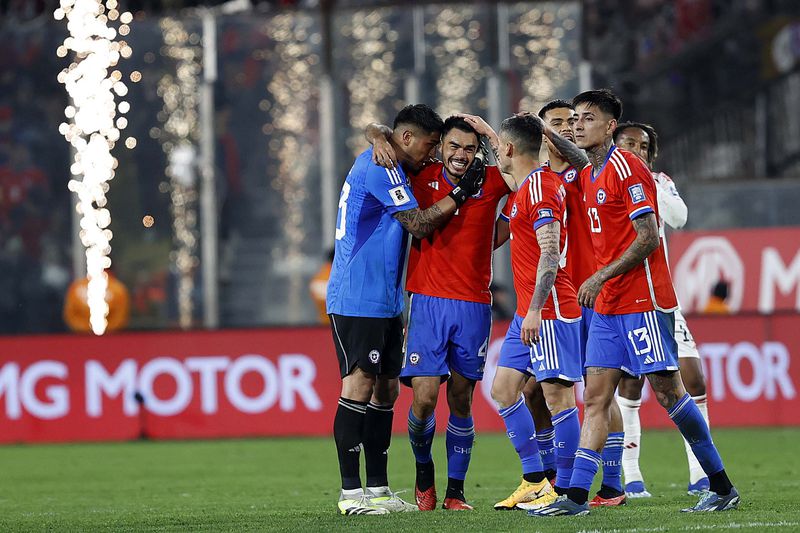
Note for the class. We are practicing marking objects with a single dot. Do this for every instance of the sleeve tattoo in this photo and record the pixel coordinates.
(576, 157)
(548, 237)
(421, 223)
(647, 240)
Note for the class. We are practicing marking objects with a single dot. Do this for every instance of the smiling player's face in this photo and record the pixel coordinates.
(458, 151)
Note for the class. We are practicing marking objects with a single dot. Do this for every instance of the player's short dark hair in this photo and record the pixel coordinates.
(525, 132)
(652, 147)
(603, 99)
(457, 123)
(555, 104)
(420, 116)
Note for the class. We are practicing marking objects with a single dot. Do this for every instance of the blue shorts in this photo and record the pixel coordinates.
(637, 343)
(557, 356)
(446, 335)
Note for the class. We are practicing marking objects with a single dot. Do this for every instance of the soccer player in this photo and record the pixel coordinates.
(632, 295)
(641, 139)
(544, 337)
(365, 300)
(560, 117)
(449, 317)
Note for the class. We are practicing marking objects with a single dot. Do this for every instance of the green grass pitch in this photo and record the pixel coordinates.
(292, 485)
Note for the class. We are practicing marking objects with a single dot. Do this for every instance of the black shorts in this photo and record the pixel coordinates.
(374, 344)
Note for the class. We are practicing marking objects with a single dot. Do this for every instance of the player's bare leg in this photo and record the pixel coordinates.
(630, 399)
(545, 434)
(358, 385)
(460, 438)
(426, 395)
(507, 385)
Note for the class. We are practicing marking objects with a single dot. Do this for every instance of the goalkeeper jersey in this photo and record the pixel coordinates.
(369, 251)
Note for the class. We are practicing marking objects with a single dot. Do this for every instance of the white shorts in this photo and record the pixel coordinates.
(686, 344)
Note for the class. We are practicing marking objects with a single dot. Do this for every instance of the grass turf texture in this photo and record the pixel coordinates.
(292, 484)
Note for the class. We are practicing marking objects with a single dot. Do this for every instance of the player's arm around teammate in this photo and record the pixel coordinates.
(420, 223)
(450, 312)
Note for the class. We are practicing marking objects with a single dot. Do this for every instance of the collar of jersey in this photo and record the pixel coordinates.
(608, 155)
(444, 175)
(559, 174)
(529, 176)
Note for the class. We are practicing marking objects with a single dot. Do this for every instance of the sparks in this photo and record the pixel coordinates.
(92, 132)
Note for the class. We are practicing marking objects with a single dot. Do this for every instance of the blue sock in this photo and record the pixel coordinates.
(522, 433)
(420, 433)
(547, 450)
(587, 463)
(612, 460)
(694, 429)
(460, 436)
(568, 434)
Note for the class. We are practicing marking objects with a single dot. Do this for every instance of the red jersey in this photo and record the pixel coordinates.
(578, 249)
(455, 261)
(623, 190)
(540, 200)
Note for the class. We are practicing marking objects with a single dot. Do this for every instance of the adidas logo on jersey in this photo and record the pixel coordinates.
(434, 185)
(648, 360)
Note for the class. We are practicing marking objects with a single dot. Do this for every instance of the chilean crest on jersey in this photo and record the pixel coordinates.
(570, 176)
(601, 196)
(513, 210)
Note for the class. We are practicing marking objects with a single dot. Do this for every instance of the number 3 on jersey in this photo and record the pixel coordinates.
(594, 220)
(341, 226)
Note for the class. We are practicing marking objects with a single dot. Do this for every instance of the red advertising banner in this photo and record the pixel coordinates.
(761, 266)
(286, 382)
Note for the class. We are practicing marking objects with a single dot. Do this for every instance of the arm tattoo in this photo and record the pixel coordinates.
(548, 236)
(576, 156)
(421, 223)
(496, 152)
(646, 242)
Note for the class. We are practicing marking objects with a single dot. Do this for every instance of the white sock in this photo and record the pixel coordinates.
(695, 470)
(633, 437)
(351, 494)
(378, 492)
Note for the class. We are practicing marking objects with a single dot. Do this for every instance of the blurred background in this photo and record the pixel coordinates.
(296, 82)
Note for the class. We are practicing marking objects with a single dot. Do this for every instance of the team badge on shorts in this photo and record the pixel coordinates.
(413, 358)
(601, 196)
(374, 356)
(570, 176)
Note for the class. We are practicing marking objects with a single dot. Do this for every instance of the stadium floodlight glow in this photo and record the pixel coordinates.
(92, 132)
